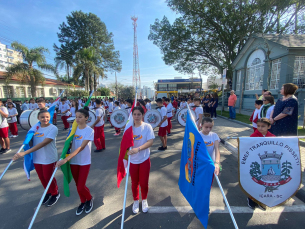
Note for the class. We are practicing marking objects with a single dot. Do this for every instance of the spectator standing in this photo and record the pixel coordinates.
(231, 103)
(285, 113)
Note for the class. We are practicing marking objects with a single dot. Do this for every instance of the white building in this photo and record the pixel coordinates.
(16, 89)
(147, 92)
(8, 57)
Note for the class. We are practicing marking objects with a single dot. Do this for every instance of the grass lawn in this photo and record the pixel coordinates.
(239, 117)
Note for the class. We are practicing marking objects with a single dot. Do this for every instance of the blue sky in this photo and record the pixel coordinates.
(36, 22)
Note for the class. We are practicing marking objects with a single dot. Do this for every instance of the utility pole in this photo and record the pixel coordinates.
(224, 82)
(136, 80)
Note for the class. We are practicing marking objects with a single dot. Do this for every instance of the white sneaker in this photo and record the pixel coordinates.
(11, 136)
(135, 207)
(15, 136)
(144, 206)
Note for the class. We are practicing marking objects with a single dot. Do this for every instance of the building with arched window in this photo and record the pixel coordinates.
(267, 62)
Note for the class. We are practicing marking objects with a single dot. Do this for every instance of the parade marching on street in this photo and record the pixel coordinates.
(185, 115)
(168, 208)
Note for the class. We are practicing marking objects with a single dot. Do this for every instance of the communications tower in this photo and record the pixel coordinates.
(136, 80)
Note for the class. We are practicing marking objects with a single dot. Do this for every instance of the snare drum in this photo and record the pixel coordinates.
(28, 118)
(119, 118)
(71, 119)
(153, 117)
(92, 118)
(181, 116)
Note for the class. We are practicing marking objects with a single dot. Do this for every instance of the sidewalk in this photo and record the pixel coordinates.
(226, 128)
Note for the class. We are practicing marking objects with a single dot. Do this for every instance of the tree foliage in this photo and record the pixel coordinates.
(124, 91)
(81, 32)
(212, 32)
(104, 91)
(26, 71)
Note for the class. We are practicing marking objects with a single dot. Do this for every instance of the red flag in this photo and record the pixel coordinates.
(126, 143)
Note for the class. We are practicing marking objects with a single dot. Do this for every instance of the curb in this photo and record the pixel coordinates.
(300, 193)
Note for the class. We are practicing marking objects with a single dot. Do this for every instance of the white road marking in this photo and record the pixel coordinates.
(220, 209)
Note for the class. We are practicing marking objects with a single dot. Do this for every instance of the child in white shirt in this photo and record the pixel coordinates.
(211, 141)
(117, 107)
(256, 113)
(33, 105)
(12, 120)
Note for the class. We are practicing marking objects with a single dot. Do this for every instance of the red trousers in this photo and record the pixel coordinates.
(169, 125)
(80, 174)
(117, 130)
(139, 174)
(99, 137)
(44, 173)
(108, 118)
(13, 128)
(64, 120)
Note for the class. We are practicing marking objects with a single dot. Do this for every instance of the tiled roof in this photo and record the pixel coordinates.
(287, 40)
(48, 81)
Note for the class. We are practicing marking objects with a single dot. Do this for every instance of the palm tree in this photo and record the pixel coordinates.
(64, 60)
(87, 63)
(26, 71)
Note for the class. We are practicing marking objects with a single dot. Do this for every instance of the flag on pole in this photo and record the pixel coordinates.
(28, 164)
(126, 143)
(196, 171)
(66, 170)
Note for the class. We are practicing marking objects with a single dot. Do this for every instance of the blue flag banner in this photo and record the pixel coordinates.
(28, 158)
(28, 164)
(196, 171)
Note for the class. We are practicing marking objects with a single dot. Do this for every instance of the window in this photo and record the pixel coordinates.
(275, 74)
(29, 94)
(238, 80)
(254, 76)
(40, 92)
(172, 87)
(162, 87)
(20, 92)
(299, 71)
(8, 91)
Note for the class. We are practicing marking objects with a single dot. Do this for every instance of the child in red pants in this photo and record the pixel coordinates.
(140, 159)
(44, 156)
(80, 159)
(117, 107)
(64, 110)
(12, 121)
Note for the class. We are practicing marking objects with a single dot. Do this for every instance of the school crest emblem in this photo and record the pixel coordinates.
(269, 168)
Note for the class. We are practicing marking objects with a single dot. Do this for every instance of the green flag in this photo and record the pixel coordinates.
(66, 167)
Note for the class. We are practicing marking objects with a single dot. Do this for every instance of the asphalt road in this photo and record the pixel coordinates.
(169, 209)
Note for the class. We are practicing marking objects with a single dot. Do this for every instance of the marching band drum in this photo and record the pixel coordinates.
(119, 118)
(181, 116)
(153, 117)
(28, 118)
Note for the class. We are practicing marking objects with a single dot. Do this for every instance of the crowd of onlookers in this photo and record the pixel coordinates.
(282, 115)
(209, 103)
